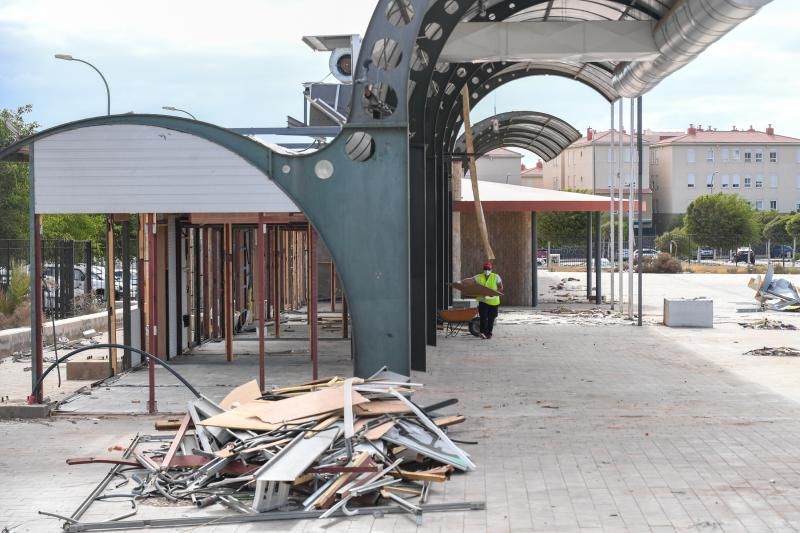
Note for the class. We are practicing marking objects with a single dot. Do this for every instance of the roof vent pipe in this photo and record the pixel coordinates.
(680, 36)
(692, 130)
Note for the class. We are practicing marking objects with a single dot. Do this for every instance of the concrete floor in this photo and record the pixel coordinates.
(582, 425)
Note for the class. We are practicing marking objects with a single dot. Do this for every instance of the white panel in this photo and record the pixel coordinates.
(145, 169)
(585, 41)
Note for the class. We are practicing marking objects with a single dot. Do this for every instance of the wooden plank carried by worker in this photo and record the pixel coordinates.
(471, 290)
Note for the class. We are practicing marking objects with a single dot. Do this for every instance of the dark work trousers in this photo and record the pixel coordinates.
(488, 313)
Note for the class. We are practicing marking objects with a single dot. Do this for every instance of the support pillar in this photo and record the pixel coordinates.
(127, 339)
(196, 284)
(152, 229)
(333, 287)
(534, 260)
(276, 281)
(111, 296)
(206, 282)
(598, 261)
(345, 318)
(262, 323)
(588, 256)
(228, 290)
(313, 298)
(35, 254)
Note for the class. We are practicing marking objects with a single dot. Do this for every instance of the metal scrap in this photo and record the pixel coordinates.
(333, 462)
(775, 294)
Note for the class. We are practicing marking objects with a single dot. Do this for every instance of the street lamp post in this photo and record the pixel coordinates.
(67, 57)
(173, 108)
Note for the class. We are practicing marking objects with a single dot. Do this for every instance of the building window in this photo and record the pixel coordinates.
(748, 156)
(710, 181)
(747, 181)
(710, 155)
(690, 180)
(725, 182)
(759, 156)
(724, 154)
(759, 205)
(773, 155)
(773, 182)
(735, 184)
(690, 155)
(759, 182)
(773, 205)
(735, 154)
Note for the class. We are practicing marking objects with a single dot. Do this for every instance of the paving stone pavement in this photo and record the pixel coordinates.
(579, 428)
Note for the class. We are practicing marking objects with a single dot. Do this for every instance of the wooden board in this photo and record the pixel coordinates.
(377, 408)
(243, 393)
(265, 415)
(473, 289)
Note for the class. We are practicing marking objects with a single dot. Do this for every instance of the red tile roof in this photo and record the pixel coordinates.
(604, 137)
(730, 137)
(502, 152)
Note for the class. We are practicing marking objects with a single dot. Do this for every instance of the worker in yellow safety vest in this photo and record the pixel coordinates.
(488, 305)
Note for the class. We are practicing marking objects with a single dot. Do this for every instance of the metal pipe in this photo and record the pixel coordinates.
(630, 223)
(150, 357)
(534, 261)
(639, 217)
(611, 217)
(680, 36)
(618, 167)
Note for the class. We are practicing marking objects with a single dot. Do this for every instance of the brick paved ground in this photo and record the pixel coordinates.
(580, 428)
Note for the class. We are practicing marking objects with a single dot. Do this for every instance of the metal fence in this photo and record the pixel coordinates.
(575, 255)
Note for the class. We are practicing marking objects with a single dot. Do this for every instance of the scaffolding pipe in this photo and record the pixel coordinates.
(611, 210)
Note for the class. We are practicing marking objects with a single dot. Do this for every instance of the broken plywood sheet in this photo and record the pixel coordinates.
(243, 393)
(266, 415)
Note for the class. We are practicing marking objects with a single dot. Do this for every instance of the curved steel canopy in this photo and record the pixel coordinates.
(543, 134)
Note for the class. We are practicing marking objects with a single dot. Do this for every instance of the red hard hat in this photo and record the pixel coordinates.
(487, 265)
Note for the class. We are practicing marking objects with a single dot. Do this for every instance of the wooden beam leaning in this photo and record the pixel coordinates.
(473, 174)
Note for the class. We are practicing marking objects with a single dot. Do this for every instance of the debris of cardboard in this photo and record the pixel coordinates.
(781, 351)
(774, 293)
(318, 449)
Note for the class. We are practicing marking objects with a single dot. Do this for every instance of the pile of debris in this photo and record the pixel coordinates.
(766, 323)
(331, 447)
(776, 294)
(781, 351)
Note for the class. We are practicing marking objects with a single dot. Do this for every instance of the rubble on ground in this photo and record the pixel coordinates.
(775, 294)
(766, 323)
(330, 447)
(782, 351)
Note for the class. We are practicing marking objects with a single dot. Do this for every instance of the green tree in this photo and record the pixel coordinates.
(775, 230)
(793, 226)
(14, 176)
(721, 221)
(77, 227)
(561, 228)
(677, 242)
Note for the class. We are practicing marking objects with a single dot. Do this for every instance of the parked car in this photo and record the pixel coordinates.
(781, 251)
(646, 252)
(743, 253)
(706, 253)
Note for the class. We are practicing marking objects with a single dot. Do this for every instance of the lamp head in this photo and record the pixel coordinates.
(65, 57)
(169, 108)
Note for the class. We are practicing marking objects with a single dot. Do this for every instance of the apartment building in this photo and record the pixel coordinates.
(500, 165)
(589, 163)
(533, 177)
(760, 166)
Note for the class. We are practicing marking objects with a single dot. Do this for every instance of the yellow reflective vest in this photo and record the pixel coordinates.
(491, 283)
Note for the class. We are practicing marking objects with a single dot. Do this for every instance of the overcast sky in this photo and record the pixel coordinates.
(242, 63)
